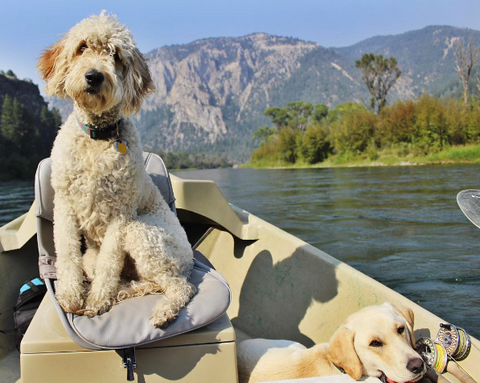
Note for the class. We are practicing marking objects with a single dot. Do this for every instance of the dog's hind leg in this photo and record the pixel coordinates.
(164, 260)
(108, 268)
(178, 292)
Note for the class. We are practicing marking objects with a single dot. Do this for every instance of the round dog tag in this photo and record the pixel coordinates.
(121, 147)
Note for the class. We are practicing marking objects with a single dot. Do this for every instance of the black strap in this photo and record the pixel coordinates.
(33, 286)
(110, 131)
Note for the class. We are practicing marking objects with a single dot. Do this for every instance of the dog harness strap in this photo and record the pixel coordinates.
(111, 131)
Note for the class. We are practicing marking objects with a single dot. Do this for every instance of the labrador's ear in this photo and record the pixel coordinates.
(409, 317)
(341, 352)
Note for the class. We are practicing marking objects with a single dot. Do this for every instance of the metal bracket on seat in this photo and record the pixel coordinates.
(129, 362)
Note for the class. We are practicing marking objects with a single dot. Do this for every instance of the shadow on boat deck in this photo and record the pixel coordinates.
(275, 298)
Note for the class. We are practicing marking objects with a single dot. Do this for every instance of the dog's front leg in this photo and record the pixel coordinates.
(108, 268)
(70, 290)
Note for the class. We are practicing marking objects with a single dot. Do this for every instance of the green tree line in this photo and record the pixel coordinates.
(24, 138)
(305, 133)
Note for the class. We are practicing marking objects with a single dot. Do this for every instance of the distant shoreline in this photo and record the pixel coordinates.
(454, 155)
(375, 164)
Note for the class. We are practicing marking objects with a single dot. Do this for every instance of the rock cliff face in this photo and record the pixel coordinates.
(211, 93)
(25, 92)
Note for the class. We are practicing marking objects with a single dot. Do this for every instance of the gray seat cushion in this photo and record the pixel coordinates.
(127, 323)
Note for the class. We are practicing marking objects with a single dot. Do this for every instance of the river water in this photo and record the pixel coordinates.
(399, 225)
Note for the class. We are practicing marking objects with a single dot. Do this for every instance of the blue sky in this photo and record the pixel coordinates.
(27, 27)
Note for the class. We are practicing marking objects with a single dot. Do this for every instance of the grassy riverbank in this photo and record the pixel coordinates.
(467, 154)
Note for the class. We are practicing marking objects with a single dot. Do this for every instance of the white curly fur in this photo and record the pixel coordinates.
(101, 194)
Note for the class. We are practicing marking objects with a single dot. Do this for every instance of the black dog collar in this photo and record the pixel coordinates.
(110, 131)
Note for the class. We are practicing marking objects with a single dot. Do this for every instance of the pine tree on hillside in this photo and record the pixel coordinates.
(13, 165)
(50, 122)
(25, 137)
(16, 127)
(7, 122)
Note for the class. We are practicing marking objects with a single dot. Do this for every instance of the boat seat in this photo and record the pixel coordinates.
(201, 326)
(48, 354)
(107, 331)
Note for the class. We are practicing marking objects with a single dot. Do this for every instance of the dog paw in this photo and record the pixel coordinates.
(70, 303)
(96, 307)
(162, 318)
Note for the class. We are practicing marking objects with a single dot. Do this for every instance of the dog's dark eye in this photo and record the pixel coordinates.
(116, 57)
(400, 330)
(81, 48)
(376, 343)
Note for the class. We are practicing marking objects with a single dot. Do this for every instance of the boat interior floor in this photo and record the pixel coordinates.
(10, 367)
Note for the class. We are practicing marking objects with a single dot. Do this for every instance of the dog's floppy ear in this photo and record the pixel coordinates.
(49, 65)
(139, 83)
(342, 352)
(409, 317)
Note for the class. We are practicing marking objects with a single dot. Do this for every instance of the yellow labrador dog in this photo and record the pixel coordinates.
(376, 341)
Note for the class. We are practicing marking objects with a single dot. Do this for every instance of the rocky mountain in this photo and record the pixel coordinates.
(27, 127)
(211, 93)
(426, 57)
(214, 91)
(25, 92)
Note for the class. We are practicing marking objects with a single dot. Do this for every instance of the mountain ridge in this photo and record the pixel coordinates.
(211, 93)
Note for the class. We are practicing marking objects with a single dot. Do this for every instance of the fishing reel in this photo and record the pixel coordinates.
(452, 343)
(433, 353)
(455, 340)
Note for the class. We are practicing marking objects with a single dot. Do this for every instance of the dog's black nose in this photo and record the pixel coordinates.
(415, 365)
(94, 77)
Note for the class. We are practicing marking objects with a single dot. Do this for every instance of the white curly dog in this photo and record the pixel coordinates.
(102, 191)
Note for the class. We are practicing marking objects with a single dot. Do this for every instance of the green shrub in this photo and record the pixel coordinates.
(287, 144)
(353, 131)
(315, 146)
